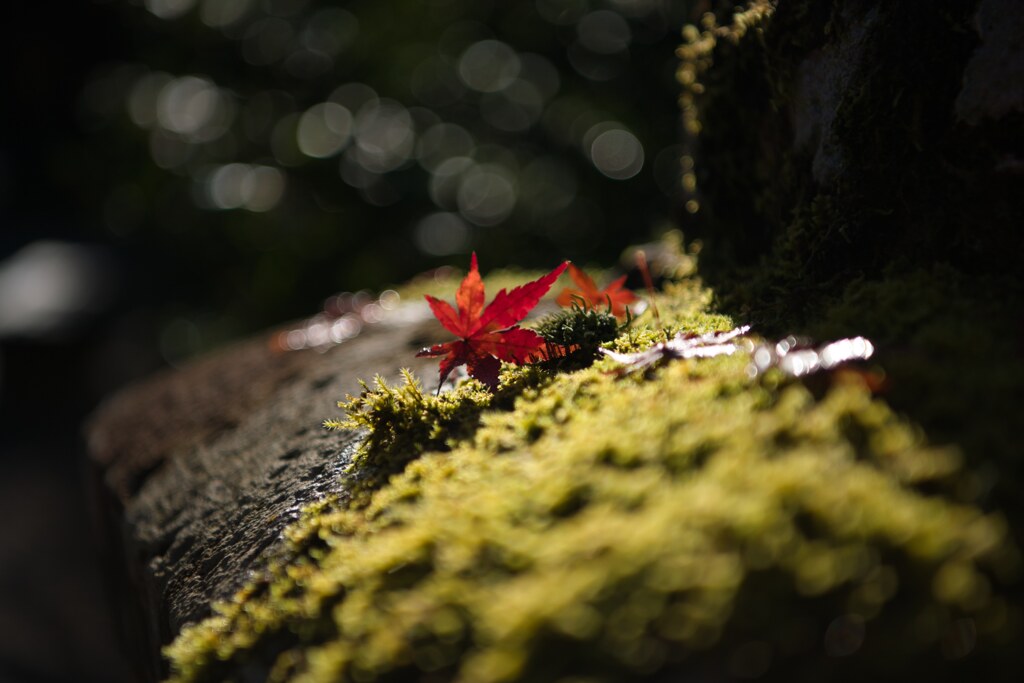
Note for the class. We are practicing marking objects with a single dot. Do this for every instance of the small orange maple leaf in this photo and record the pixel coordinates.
(613, 296)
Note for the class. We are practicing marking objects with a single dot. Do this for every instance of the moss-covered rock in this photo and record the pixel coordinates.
(688, 521)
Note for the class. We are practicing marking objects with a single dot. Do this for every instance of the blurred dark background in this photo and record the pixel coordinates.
(178, 173)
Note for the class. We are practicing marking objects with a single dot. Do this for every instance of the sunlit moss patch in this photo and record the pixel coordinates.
(579, 524)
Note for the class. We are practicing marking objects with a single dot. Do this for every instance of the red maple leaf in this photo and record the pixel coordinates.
(613, 295)
(488, 335)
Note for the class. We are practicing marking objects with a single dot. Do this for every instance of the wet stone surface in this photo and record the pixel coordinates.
(198, 470)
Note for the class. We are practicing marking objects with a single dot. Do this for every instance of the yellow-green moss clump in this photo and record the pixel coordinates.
(691, 521)
(401, 423)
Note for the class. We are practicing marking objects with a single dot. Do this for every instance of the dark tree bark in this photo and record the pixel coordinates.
(831, 141)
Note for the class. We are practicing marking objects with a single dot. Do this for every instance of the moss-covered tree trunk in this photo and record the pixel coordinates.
(830, 141)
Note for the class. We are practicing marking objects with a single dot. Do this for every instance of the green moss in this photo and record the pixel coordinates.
(585, 525)
(950, 344)
(907, 232)
(724, 94)
(574, 334)
(821, 147)
(402, 422)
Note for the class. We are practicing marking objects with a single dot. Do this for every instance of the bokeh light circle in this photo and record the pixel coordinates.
(441, 234)
(169, 9)
(487, 194)
(489, 66)
(617, 153)
(324, 130)
(385, 136)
